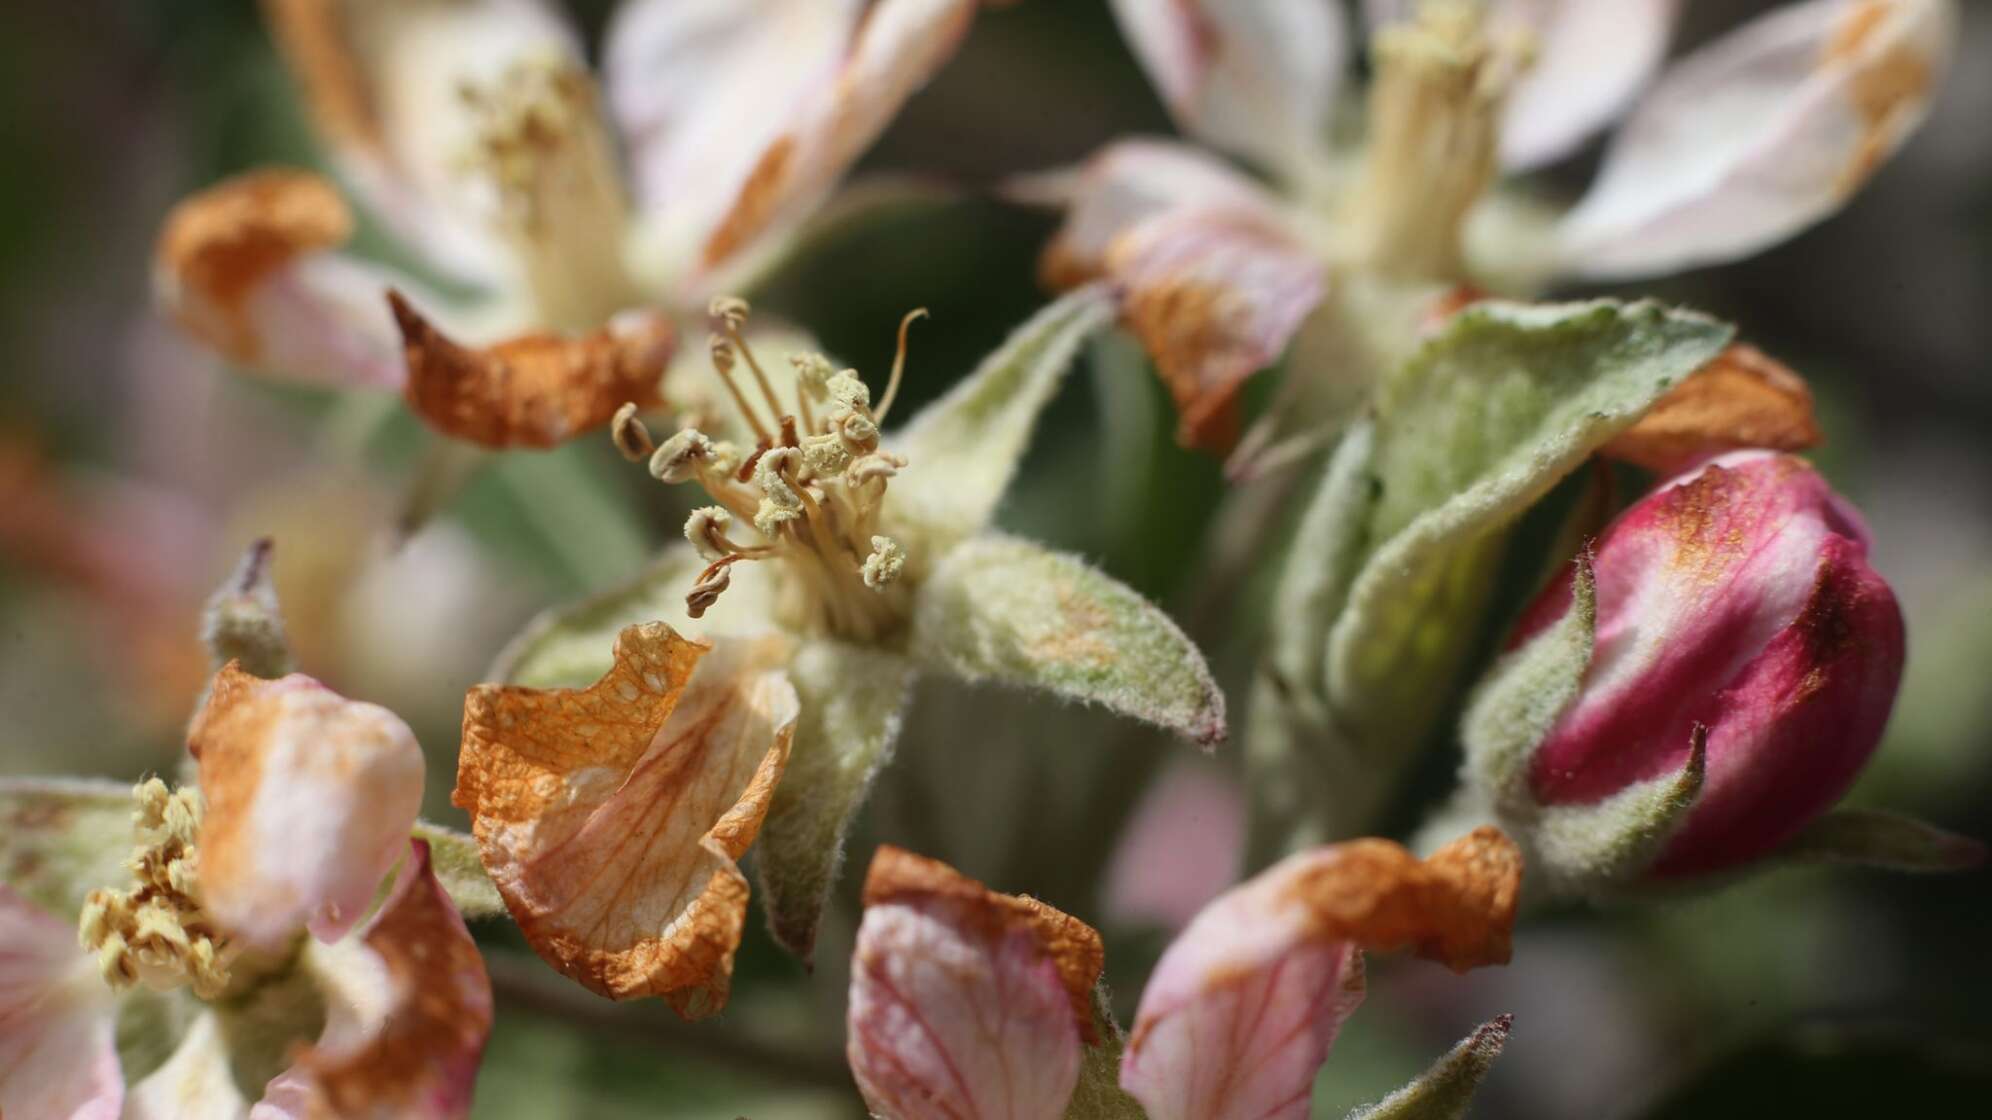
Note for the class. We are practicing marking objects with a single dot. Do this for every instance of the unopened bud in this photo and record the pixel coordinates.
(1733, 607)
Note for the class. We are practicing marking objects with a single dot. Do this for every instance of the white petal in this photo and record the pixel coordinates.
(1254, 77)
(194, 1084)
(1760, 134)
(58, 1056)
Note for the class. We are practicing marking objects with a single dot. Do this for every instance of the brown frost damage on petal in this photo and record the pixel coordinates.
(419, 1055)
(1457, 907)
(1744, 398)
(536, 390)
(1074, 948)
(1890, 84)
(611, 817)
(220, 244)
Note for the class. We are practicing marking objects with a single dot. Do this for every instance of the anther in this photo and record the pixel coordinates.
(884, 564)
(706, 529)
(631, 438)
(681, 457)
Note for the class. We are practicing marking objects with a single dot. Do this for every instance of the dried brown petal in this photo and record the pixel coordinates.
(1744, 398)
(219, 245)
(536, 390)
(610, 817)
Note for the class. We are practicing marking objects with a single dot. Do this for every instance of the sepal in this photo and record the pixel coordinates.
(1445, 1091)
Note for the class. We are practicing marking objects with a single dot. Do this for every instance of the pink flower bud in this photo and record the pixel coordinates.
(1736, 596)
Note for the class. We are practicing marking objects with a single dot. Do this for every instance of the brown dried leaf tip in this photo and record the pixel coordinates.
(610, 817)
(1744, 398)
(219, 245)
(1074, 948)
(536, 390)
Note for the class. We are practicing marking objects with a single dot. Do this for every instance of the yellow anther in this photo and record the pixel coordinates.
(157, 934)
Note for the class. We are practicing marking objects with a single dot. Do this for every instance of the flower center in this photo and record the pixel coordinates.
(1434, 136)
(540, 147)
(157, 934)
(809, 493)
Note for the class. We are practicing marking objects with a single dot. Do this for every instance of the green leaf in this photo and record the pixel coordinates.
(853, 700)
(570, 646)
(1009, 610)
(963, 448)
(1526, 692)
(1876, 838)
(61, 838)
(1484, 420)
(454, 858)
(1322, 561)
(1445, 1091)
(1098, 1095)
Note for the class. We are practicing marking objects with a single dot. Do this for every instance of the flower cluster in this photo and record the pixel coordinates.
(1691, 682)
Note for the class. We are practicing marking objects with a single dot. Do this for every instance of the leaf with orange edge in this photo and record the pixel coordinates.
(535, 390)
(610, 817)
(1744, 398)
(1242, 1008)
(965, 1001)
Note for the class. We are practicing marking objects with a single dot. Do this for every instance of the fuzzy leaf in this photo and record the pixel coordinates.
(1009, 610)
(1527, 691)
(1445, 1091)
(1321, 562)
(853, 700)
(454, 860)
(963, 448)
(1098, 1095)
(571, 646)
(1595, 850)
(1484, 420)
(61, 838)
(1875, 838)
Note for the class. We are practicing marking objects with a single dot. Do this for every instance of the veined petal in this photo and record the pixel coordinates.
(966, 1002)
(310, 798)
(1121, 186)
(1214, 296)
(247, 267)
(409, 1009)
(535, 390)
(384, 84)
(1744, 398)
(1760, 135)
(702, 88)
(194, 1082)
(610, 817)
(1588, 62)
(896, 46)
(1243, 1006)
(58, 1051)
(1254, 77)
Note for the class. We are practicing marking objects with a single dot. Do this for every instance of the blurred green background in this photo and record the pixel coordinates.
(1816, 994)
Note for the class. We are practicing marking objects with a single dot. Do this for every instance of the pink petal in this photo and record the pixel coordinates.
(58, 1051)
(1242, 1008)
(895, 47)
(1255, 77)
(405, 1035)
(965, 1002)
(1181, 850)
(310, 799)
(1760, 134)
(1214, 296)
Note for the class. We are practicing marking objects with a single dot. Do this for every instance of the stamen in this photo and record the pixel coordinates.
(157, 934)
(731, 311)
(722, 363)
(898, 364)
(631, 438)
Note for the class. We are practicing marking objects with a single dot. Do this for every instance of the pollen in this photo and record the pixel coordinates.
(157, 933)
(808, 496)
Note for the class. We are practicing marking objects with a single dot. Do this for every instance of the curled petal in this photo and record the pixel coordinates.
(310, 798)
(1760, 134)
(384, 85)
(1243, 1006)
(535, 390)
(610, 817)
(1123, 185)
(409, 1011)
(58, 1050)
(895, 47)
(965, 1002)
(1744, 398)
(1214, 296)
(1257, 77)
(247, 267)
